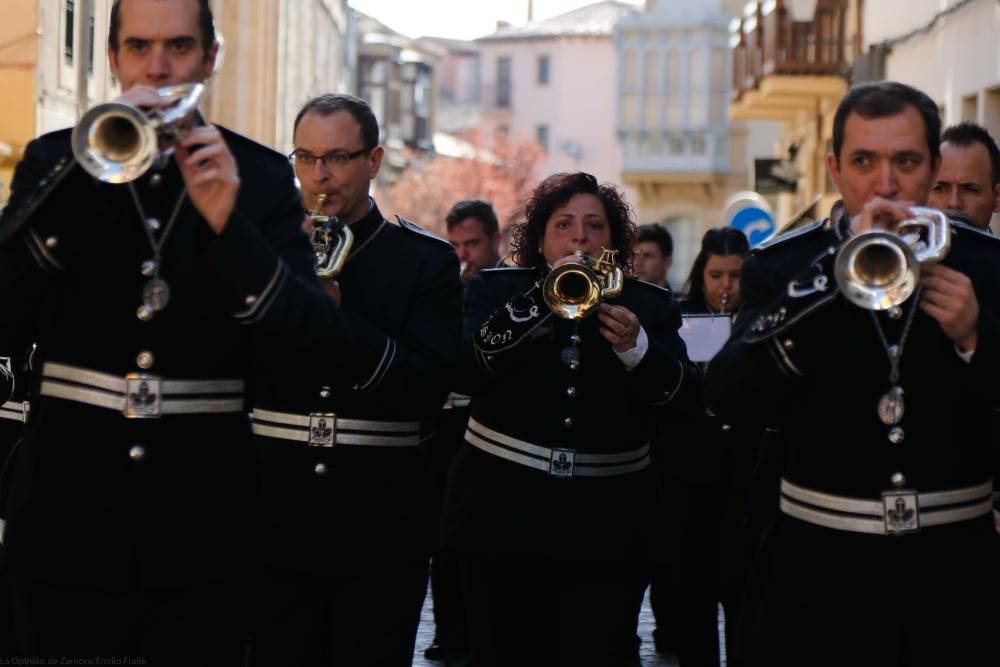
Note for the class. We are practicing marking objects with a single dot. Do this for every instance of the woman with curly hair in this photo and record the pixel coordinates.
(552, 495)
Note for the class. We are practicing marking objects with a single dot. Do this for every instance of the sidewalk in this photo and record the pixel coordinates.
(650, 658)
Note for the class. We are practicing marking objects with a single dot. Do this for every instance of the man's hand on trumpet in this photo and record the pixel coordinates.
(210, 174)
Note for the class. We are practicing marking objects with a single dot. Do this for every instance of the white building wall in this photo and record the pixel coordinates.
(577, 105)
(56, 96)
(956, 62)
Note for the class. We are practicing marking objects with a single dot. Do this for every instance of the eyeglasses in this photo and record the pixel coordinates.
(331, 159)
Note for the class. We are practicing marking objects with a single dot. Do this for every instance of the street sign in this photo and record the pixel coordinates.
(771, 176)
(751, 214)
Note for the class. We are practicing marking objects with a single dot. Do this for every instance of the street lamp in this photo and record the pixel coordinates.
(801, 10)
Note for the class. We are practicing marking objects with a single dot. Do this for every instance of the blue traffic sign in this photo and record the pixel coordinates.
(750, 213)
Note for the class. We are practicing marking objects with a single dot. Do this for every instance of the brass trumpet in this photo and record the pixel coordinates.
(573, 291)
(878, 270)
(117, 143)
(331, 241)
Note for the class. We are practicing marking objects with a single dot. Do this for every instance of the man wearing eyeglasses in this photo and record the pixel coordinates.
(347, 487)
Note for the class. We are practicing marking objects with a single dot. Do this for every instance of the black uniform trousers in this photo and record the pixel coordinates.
(306, 629)
(450, 613)
(187, 627)
(542, 612)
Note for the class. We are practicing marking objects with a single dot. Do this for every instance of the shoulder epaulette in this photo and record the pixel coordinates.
(963, 227)
(650, 286)
(236, 137)
(504, 270)
(420, 231)
(791, 234)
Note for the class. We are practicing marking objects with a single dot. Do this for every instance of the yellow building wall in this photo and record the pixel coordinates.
(18, 58)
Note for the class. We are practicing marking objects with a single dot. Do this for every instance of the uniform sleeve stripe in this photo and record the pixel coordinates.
(266, 299)
(387, 353)
(784, 357)
(41, 252)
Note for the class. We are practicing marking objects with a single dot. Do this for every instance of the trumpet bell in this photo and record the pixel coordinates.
(877, 270)
(115, 143)
(572, 291)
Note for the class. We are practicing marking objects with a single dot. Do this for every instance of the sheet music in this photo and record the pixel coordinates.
(705, 335)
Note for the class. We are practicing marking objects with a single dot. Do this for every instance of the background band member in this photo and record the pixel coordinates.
(708, 478)
(130, 536)
(474, 232)
(347, 486)
(654, 254)
(884, 551)
(551, 496)
(969, 180)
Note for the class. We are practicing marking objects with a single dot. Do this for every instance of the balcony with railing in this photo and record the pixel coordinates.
(781, 65)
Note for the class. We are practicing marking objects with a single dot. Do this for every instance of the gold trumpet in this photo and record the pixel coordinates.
(331, 241)
(573, 291)
(880, 269)
(117, 143)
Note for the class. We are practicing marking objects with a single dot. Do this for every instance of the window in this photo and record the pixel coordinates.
(503, 82)
(543, 70)
(68, 36)
(542, 134)
(698, 144)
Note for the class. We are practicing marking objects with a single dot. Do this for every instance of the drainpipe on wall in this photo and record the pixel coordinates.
(83, 55)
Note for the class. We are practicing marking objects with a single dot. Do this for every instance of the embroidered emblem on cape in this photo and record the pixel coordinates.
(510, 324)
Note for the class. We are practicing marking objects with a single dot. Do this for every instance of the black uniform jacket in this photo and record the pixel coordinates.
(808, 361)
(394, 360)
(71, 248)
(521, 387)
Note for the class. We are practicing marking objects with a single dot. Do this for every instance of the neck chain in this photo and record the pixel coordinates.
(156, 292)
(891, 406)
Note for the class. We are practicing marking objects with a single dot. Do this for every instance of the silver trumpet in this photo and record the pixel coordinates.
(878, 270)
(117, 143)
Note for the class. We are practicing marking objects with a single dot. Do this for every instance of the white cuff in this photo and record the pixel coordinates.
(966, 356)
(632, 357)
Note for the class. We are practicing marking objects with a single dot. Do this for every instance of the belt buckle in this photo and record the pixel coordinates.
(901, 511)
(561, 463)
(25, 410)
(322, 429)
(143, 396)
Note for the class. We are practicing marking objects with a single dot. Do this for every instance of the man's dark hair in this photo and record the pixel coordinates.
(331, 103)
(658, 234)
(968, 133)
(205, 22)
(888, 98)
(553, 193)
(474, 208)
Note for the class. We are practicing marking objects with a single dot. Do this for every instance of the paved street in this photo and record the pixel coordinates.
(649, 656)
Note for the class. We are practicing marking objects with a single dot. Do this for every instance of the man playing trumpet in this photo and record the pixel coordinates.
(884, 551)
(130, 523)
